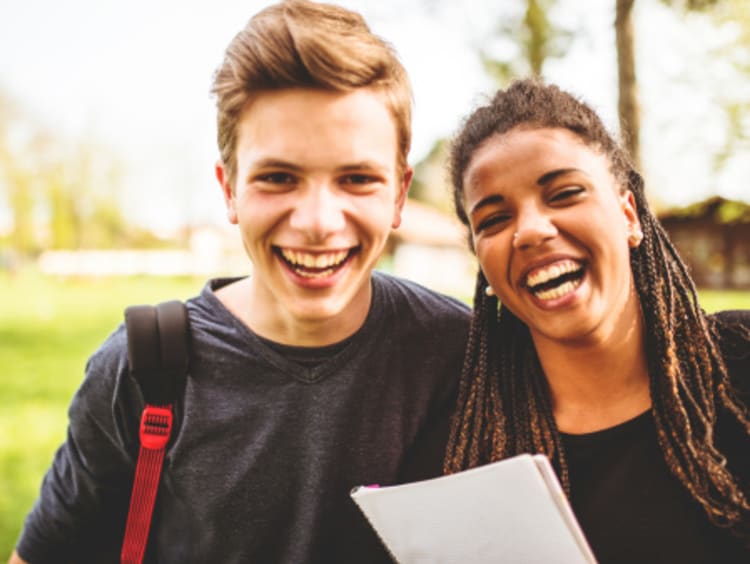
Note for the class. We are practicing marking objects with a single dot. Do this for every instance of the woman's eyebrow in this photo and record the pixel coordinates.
(548, 177)
(488, 201)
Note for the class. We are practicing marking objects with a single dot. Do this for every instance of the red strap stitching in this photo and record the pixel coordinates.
(156, 424)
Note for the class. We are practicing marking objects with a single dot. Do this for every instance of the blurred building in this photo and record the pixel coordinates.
(713, 238)
(429, 247)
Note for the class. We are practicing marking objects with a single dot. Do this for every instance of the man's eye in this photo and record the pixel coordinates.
(358, 179)
(566, 194)
(276, 178)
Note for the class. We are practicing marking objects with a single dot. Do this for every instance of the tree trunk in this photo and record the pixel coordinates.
(629, 111)
(538, 26)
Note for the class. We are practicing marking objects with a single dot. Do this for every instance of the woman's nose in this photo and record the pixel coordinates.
(533, 228)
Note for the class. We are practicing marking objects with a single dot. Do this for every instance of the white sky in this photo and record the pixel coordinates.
(134, 76)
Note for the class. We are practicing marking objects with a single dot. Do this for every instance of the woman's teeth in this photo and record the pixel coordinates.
(555, 280)
(557, 291)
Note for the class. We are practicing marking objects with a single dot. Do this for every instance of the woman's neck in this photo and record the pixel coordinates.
(599, 383)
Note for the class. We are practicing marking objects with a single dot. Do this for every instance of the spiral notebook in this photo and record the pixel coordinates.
(508, 511)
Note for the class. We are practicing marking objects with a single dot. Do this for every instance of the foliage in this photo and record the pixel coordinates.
(731, 19)
(431, 184)
(719, 210)
(61, 192)
(692, 4)
(537, 39)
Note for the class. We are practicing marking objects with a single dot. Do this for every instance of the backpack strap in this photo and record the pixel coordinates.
(158, 360)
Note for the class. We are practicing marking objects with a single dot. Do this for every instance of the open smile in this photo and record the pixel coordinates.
(315, 265)
(555, 280)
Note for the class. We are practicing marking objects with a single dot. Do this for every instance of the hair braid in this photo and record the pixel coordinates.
(689, 380)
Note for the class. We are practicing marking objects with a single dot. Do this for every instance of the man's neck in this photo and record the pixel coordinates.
(276, 324)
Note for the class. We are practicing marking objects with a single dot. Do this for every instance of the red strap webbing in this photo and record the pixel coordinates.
(156, 426)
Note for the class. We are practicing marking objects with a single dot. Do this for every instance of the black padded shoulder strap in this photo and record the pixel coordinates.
(158, 349)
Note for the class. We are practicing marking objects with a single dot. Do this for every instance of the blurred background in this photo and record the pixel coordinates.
(107, 147)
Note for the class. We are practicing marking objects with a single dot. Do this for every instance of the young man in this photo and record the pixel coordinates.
(309, 377)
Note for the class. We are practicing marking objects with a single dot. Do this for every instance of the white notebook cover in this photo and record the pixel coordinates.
(510, 511)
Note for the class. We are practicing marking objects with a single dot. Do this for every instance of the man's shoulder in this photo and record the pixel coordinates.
(108, 366)
(409, 297)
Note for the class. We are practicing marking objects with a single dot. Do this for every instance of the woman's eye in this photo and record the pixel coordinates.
(566, 194)
(491, 221)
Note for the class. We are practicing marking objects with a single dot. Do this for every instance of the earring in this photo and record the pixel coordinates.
(488, 291)
(635, 237)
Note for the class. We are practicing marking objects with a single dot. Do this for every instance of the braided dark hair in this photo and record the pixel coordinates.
(504, 405)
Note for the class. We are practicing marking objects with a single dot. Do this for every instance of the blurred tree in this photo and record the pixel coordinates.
(537, 39)
(525, 38)
(22, 237)
(732, 20)
(17, 183)
(431, 183)
(627, 103)
(61, 194)
(736, 103)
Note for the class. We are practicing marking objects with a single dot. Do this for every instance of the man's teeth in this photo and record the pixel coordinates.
(547, 273)
(301, 260)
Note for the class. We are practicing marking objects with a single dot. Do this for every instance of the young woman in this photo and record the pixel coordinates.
(599, 355)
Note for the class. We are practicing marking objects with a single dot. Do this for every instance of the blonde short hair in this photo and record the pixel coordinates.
(304, 44)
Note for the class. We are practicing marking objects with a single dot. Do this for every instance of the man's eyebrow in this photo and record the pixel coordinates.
(548, 177)
(362, 165)
(488, 201)
(276, 163)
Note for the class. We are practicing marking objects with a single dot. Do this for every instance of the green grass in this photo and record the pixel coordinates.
(715, 300)
(48, 328)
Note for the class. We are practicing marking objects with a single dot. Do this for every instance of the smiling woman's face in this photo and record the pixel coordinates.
(550, 227)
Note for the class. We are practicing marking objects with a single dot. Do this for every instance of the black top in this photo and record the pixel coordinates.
(629, 505)
(268, 447)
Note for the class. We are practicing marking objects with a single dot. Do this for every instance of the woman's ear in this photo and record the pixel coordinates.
(630, 211)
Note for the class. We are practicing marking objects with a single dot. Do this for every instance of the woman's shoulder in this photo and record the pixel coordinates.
(733, 330)
(735, 317)
(732, 327)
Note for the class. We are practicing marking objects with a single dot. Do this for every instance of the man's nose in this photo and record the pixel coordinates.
(318, 212)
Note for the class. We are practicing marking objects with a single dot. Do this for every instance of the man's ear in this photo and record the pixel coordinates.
(403, 190)
(226, 189)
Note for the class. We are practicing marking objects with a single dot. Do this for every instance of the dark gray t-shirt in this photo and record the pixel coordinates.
(267, 449)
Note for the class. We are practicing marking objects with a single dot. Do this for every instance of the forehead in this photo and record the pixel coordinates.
(522, 156)
(312, 123)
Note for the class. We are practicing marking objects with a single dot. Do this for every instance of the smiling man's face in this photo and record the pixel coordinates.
(316, 195)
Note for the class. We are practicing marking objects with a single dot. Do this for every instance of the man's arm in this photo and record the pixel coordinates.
(15, 559)
(83, 502)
